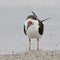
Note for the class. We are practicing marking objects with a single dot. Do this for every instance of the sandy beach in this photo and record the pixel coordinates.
(32, 55)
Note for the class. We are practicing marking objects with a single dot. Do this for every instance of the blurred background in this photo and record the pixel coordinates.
(12, 18)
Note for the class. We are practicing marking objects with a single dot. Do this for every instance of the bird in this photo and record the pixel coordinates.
(34, 28)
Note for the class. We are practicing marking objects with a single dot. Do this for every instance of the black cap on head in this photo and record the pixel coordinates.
(31, 17)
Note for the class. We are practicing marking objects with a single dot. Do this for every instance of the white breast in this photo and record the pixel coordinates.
(32, 32)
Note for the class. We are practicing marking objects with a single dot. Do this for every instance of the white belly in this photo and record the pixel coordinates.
(32, 32)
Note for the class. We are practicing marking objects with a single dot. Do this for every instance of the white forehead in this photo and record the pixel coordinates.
(34, 21)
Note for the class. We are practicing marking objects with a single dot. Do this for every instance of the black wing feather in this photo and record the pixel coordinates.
(24, 30)
(41, 27)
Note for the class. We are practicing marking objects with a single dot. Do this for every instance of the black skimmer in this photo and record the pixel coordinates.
(34, 28)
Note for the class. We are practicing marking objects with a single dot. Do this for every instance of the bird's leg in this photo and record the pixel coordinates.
(37, 43)
(29, 44)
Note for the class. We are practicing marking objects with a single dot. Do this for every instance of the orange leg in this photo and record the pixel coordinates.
(29, 44)
(37, 43)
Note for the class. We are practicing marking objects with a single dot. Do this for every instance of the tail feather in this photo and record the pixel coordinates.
(35, 15)
(38, 18)
(45, 19)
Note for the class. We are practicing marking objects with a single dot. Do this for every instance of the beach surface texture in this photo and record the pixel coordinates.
(32, 55)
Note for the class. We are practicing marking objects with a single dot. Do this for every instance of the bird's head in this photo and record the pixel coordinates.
(29, 23)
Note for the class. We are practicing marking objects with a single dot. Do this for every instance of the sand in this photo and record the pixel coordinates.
(32, 55)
